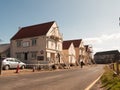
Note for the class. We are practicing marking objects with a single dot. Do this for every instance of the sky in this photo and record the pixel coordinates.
(94, 21)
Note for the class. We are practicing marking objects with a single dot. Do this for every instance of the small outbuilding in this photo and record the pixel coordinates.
(5, 50)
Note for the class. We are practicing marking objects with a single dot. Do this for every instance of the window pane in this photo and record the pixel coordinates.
(26, 44)
(33, 55)
(18, 43)
(34, 42)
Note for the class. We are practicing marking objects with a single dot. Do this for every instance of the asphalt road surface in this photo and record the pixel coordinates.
(67, 79)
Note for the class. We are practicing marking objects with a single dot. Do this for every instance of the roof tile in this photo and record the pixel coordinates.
(32, 31)
(76, 43)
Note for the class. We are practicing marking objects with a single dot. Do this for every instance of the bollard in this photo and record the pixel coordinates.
(17, 69)
(33, 68)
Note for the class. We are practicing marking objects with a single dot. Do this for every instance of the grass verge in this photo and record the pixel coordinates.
(109, 80)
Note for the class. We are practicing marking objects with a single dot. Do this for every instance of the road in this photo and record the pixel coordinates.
(67, 79)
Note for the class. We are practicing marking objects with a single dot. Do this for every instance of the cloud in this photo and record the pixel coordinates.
(104, 42)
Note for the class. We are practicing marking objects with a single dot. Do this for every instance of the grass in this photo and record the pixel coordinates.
(109, 80)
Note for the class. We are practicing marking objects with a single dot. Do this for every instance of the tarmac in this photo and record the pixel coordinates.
(96, 85)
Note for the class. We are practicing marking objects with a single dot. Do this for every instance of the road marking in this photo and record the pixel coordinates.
(91, 85)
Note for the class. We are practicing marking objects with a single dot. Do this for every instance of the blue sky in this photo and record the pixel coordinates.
(95, 21)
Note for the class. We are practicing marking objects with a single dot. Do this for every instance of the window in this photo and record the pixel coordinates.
(18, 55)
(19, 43)
(52, 45)
(33, 55)
(26, 56)
(26, 44)
(58, 47)
(11, 60)
(34, 42)
(40, 58)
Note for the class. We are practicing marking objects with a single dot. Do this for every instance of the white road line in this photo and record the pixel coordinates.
(91, 85)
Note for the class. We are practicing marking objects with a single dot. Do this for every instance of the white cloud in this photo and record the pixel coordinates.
(104, 42)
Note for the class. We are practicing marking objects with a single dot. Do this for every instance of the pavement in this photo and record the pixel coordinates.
(30, 71)
(13, 72)
(24, 71)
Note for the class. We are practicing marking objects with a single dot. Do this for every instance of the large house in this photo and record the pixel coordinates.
(106, 57)
(88, 55)
(69, 52)
(37, 43)
(78, 46)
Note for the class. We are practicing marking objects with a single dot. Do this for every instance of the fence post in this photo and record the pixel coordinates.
(117, 67)
(113, 67)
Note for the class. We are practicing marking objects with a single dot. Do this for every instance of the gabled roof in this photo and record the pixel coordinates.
(107, 52)
(67, 43)
(32, 31)
(76, 42)
(4, 47)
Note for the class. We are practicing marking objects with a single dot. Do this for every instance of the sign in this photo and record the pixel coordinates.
(42, 52)
(41, 58)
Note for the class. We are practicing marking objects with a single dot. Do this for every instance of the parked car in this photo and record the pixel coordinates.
(10, 63)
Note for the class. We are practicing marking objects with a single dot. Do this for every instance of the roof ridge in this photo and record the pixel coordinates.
(110, 51)
(37, 24)
(73, 40)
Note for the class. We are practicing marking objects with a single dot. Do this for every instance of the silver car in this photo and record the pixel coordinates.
(9, 63)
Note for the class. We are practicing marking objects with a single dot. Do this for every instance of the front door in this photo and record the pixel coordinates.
(25, 56)
(52, 56)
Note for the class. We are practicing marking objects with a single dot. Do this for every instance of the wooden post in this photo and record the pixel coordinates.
(117, 68)
(113, 67)
(117, 63)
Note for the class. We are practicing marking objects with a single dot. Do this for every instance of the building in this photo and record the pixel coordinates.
(106, 57)
(79, 49)
(37, 43)
(88, 55)
(69, 52)
(5, 50)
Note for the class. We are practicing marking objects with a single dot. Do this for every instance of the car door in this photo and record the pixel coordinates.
(13, 63)
(17, 63)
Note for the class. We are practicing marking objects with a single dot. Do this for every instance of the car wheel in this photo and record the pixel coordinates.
(6, 67)
(23, 67)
